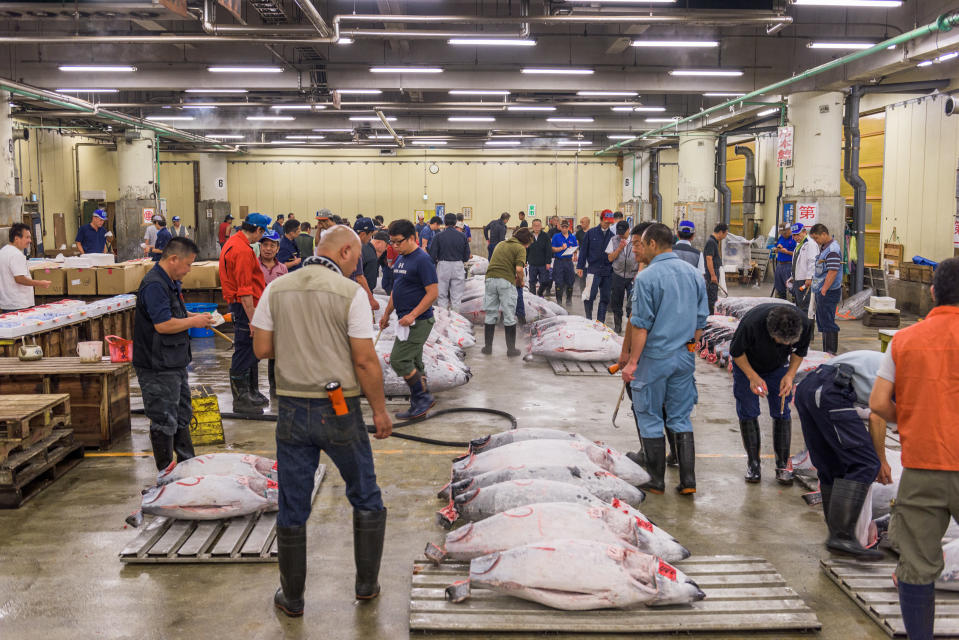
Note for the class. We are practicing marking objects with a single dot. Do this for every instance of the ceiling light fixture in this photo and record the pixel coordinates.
(359, 92)
(199, 106)
(470, 119)
(245, 69)
(925, 63)
(298, 107)
(406, 70)
(767, 112)
(622, 1)
(379, 137)
(583, 120)
(619, 136)
(287, 142)
(608, 94)
(369, 119)
(676, 44)
(503, 42)
(868, 4)
(225, 136)
(562, 72)
(577, 143)
(216, 91)
(947, 56)
(661, 119)
(169, 118)
(345, 41)
(92, 68)
(705, 72)
(305, 137)
(517, 107)
(343, 130)
(723, 94)
(840, 45)
(503, 143)
(427, 142)
(271, 118)
(478, 92)
(87, 90)
(650, 109)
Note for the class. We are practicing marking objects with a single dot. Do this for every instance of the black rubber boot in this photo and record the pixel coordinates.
(686, 452)
(830, 342)
(618, 323)
(543, 290)
(749, 429)
(671, 459)
(421, 400)
(162, 448)
(825, 491)
(845, 504)
(271, 376)
(258, 398)
(240, 386)
(369, 529)
(511, 350)
(520, 320)
(291, 554)
(918, 605)
(183, 444)
(782, 433)
(654, 452)
(490, 332)
(569, 296)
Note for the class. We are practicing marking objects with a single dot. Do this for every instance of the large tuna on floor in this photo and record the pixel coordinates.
(211, 497)
(482, 502)
(544, 521)
(550, 452)
(597, 481)
(220, 464)
(577, 575)
(496, 440)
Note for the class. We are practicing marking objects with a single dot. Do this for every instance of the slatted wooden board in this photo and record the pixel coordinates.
(870, 586)
(742, 594)
(245, 539)
(577, 368)
(21, 414)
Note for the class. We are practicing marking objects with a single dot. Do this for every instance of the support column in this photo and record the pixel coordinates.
(213, 205)
(11, 205)
(697, 193)
(814, 177)
(636, 184)
(136, 176)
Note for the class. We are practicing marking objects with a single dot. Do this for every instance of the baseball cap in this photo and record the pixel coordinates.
(270, 235)
(364, 225)
(157, 218)
(100, 213)
(687, 225)
(228, 217)
(258, 220)
(279, 216)
(176, 218)
(622, 227)
(324, 214)
(459, 224)
(797, 228)
(607, 214)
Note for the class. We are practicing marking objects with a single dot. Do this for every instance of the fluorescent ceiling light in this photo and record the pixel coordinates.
(169, 118)
(705, 72)
(345, 41)
(287, 142)
(298, 107)
(359, 92)
(502, 42)
(661, 119)
(503, 143)
(95, 68)
(379, 137)
(478, 92)
(723, 94)
(565, 72)
(369, 119)
(622, 1)
(840, 45)
(623, 108)
(608, 94)
(576, 143)
(569, 119)
(925, 63)
(225, 136)
(676, 44)
(872, 4)
(199, 106)
(650, 109)
(344, 130)
(620, 137)
(406, 70)
(87, 90)
(529, 108)
(216, 91)
(427, 142)
(245, 69)
(470, 119)
(947, 56)
(305, 137)
(767, 112)
(271, 118)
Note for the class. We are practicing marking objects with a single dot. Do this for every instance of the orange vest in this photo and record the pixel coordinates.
(927, 391)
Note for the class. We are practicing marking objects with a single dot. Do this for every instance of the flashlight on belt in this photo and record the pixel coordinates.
(335, 393)
(613, 369)
(691, 346)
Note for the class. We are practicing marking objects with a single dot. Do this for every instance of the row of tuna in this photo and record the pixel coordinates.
(471, 306)
(573, 338)
(550, 516)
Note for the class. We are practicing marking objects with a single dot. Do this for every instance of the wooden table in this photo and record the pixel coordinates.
(62, 340)
(99, 393)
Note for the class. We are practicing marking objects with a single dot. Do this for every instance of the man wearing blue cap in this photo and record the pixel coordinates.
(593, 260)
(178, 230)
(163, 238)
(93, 237)
(785, 247)
(804, 266)
(684, 247)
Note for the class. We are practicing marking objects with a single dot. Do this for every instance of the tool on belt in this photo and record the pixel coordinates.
(335, 393)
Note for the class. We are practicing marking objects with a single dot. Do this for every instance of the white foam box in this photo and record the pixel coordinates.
(882, 303)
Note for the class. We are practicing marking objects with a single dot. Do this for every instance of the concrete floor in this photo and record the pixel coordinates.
(60, 576)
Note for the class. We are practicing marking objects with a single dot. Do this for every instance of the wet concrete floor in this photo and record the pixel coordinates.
(60, 576)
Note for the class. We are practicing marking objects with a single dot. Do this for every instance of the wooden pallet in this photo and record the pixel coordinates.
(870, 587)
(23, 414)
(23, 474)
(742, 594)
(577, 368)
(249, 538)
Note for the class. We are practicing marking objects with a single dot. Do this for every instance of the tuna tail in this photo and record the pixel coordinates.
(434, 553)
(135, 519)
(446, 516)
(478, 444)
(446, 492)
(458, 591)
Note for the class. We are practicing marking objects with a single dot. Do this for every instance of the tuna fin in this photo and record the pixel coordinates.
(444, 493)
(458, 591)
(135, 519)
(434, 553)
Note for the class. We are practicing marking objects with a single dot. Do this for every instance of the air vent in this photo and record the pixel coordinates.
(387, 152)
(270, 12)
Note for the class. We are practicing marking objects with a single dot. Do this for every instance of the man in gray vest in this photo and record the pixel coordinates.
(619, 251)
(316, 323)
(684, 246)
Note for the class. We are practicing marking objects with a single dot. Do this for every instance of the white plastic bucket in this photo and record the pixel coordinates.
(90, 351)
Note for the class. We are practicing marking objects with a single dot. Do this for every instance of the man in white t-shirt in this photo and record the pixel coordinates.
(16, 285)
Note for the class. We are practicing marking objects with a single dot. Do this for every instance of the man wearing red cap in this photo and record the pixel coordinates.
(592, 259)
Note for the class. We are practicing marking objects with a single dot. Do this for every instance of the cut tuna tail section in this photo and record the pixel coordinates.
(434, 553)
(458, 591)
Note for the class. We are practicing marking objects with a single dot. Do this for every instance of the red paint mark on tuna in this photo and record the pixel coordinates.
(191, 484)
(521, 512)
(667, 571)
(545, 548)
(644, 525)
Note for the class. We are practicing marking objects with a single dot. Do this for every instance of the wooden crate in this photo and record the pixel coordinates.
(25, 473)
(892, 256)
(99, 393)
(21, 415)
(916, 273)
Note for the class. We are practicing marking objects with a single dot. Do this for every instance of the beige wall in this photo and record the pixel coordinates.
(176, 185)
(669, 181)
(919, 180)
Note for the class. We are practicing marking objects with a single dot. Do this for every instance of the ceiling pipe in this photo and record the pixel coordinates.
(311, 13)
(943, 23)
(707, 18)
(386, 123)
(725, 194)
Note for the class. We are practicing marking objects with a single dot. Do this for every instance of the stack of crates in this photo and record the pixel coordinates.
(207, 426)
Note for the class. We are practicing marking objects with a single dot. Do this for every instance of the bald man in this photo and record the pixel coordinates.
(316, 323)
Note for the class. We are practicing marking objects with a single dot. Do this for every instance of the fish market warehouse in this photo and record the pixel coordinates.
(575, 318)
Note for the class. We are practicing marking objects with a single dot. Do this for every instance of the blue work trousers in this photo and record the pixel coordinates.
(664, 384)
(520, 305)
(304, 428)
(602, 285)
(838, 441)
(564, 275)
(539, 275)
(243, 357)
(784, 271)
(747, 402)
(826, 311)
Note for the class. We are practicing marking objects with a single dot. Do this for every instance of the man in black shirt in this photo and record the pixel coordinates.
(767, 349)
(713, 256)
(450, 251)
(495, 232)
(539, 255)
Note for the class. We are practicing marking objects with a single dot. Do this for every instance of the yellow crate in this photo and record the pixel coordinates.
(207, 425)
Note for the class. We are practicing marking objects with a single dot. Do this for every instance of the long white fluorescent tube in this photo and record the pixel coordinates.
(840, 45)
(345, 41)
(661, 119)
(92, 68)
(869, 4)
(342, 130)
(676, 44)
(705, 72)
(216, 91)
(427, 142)
(245, 69)
(287, 142)
(470, 119)
(623, 108)
(503, 143)
(569, 119)
(620, 136)
(622, 1)
(199, 106)
(529, 108)
(271, 118)
(767, 112)
(562, 72)
(298, 107)
(608, 94)
(406, 70)
(577, 143)
(478, 92)
(369, 119)
(225, 136)
(722, 94)
(305, 137)
(650, 109)
(169, 118)
(359, 92)
(379, 137)
(88, 90)
(503, 42)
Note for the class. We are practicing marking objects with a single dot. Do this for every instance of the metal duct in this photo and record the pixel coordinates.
(850, 171)
(725, 195)
(654, 193)
(749, 181)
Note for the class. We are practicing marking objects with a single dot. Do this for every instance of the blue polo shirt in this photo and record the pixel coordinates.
(669, 301)
(154, 296)
(427, 234)
(163, 239)
(592, 251)
(92, 240)
(787, 243)
(559, 241)
(412, 273)
(287, 252)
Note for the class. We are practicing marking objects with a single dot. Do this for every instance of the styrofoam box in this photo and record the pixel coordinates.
(882, 302)
(101, 259)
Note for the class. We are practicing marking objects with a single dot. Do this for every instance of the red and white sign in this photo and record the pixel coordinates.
(955, 235)
(807, 213)
(148, 215)
(784, 147)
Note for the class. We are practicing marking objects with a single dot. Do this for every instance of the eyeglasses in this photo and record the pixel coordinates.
(397, 243)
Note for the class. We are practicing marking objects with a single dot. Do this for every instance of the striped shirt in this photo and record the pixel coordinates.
(830, 259)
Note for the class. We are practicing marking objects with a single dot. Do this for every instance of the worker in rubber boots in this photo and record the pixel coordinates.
(767, 349)
(594, 262)
(316, 324)
(242, 281)
(668, 316)
(161, 352)
(917, 388)
(849, 456)
(415, 289)
(504, 279)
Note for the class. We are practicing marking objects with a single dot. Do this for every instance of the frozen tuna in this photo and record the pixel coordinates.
(577, 575)
(211, 497)
(482, 502)
(220, 464)
(496, 440)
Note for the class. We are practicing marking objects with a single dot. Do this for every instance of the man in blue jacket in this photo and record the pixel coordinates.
(592, 259)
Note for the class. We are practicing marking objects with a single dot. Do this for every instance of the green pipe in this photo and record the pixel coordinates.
(942, 23)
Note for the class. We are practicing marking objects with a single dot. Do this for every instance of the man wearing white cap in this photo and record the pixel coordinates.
(804, 267)
(93, 237)
(178, 230)
(150, 236)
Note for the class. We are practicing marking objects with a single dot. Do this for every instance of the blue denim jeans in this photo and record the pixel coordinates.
(747, 402)
(304, 428)
(826, 310)
(601, 285)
